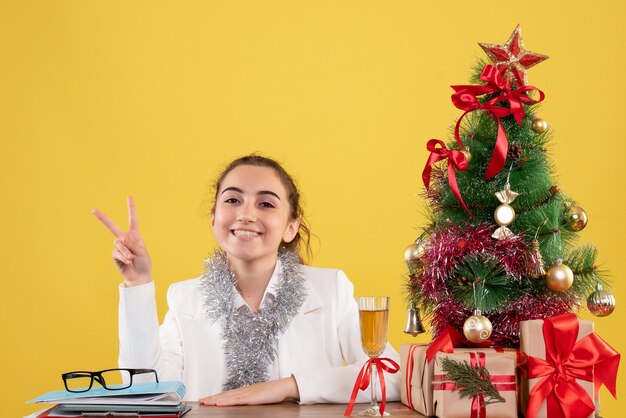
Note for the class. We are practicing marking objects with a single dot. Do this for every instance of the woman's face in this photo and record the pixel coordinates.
(252, 214)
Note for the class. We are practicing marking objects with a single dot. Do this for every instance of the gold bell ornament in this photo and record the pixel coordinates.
(601, 302)
(539, 271)
(414, 325)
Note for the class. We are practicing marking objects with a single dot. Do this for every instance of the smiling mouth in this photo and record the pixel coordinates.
(244, 233)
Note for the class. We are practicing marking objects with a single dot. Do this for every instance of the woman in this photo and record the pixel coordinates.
(258, 327)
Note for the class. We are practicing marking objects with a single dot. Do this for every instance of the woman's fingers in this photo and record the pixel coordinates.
(273, 391)
(132, 240)
(120, 258)
(119, 246)
(220, 400)
(111, 226)
(133, 223)
(209, 400)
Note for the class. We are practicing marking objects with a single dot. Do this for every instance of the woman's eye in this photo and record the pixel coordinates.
(267, 205)
(231, 200)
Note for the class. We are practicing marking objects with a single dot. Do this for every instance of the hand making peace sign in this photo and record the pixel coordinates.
(130, 253)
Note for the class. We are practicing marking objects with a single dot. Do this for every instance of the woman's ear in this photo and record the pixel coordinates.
(292, 230)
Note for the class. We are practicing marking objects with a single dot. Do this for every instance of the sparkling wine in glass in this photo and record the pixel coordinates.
(373, 315)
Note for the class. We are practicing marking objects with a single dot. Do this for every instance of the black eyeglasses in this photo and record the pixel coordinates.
(82, 381)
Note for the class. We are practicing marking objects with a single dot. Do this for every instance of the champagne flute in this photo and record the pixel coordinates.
(373, 316)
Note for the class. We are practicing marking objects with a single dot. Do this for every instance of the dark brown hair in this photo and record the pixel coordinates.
(303, 236)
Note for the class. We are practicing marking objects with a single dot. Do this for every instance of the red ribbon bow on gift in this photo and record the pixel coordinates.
(456, 161)
(466, 99)
(364, 377)
(589, 358)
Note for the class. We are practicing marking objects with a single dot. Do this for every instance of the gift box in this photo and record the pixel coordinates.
(501, 366)
(416, 389)
(416, 375)
(566, 363)
(532, 343)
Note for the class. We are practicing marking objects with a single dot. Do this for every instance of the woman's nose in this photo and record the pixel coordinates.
(246, 214)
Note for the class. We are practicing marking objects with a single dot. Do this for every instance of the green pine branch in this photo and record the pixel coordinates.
(480, 282)
(582, 262)
(470, 381)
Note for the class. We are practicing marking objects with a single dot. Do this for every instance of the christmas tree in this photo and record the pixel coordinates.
(499, 247)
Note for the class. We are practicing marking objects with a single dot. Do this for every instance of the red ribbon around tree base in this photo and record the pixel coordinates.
(465, 98)
(364, 377)
(589, 358)
(456, 161)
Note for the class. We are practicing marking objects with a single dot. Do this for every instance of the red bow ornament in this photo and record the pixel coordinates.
(456, 161)
(589, 358)
(466, 98)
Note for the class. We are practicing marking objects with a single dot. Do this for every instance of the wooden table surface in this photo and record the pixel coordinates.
(291, 409)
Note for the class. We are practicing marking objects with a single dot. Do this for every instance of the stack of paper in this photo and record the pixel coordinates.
(163, 400)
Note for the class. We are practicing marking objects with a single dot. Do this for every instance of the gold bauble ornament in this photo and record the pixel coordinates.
(477, 328)
(559, 277)
(601, 302)
(468, 155)
(414, 251)
(540, 125)
(576, 219)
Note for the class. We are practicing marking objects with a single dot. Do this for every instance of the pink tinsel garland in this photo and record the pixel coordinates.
(448, 246)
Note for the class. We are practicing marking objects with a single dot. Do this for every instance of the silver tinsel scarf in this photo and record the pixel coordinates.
(250, 339)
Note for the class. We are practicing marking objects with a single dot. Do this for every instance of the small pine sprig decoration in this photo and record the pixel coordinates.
(481, 283)
(470, 381)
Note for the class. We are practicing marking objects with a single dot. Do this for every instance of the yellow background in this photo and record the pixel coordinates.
(101, 99)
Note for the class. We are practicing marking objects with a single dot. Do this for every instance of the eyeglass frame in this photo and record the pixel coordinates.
(97, 376)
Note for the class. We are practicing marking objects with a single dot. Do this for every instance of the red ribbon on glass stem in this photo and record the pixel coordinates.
(456, 161)
(364, 377)
(589, 358)
(466, 98)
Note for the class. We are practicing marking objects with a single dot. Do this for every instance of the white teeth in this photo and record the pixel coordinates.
(242, 233)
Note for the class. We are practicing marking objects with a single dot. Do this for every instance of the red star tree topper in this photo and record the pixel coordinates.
(511, 59)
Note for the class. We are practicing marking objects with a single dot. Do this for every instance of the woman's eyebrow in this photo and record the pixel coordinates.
(238, 190)
(234, 189)
(268, 192)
